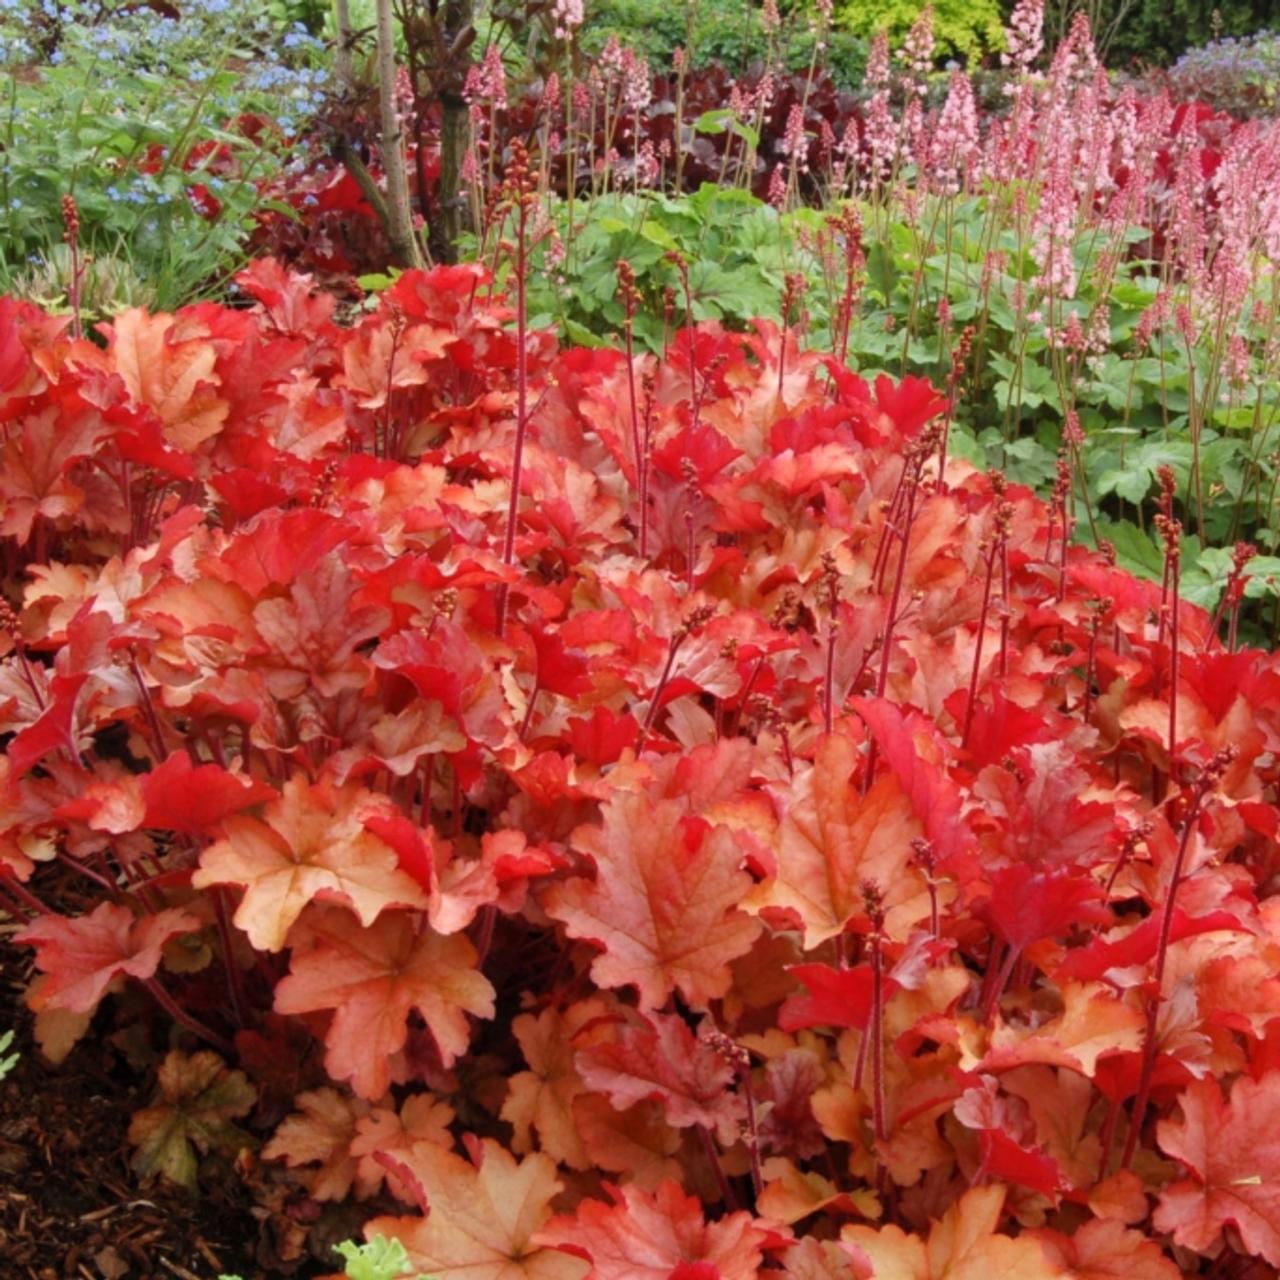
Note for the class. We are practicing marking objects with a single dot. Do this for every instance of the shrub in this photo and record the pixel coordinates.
(966, 29)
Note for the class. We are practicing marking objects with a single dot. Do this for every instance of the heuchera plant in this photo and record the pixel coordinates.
(789, 860)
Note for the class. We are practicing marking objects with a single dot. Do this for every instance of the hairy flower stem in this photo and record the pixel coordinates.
(722, 1178)
(977, 648)
(1209, 778)
(518, 181)
(235, 979)
(187, 1020)
(24, 895)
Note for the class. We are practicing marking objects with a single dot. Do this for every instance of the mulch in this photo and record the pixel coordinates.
(70, 1206)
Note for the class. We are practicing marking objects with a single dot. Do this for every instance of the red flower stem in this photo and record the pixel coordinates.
(651, 714)
(528, 715)
(977, 648)
(879, 1123)
(103, 882)
(235, 979)
(484, 939)
(24, 895)
(1149, 1045)
(153, 720)
(1174, 561)
(1107, 1137)
(187, 1020)
(996, 989)
(722, 1179)
(753, 1131)
(522, 400)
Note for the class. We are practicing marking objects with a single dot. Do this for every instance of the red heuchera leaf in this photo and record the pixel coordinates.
(84, 956)
(372, 978)
(1138, 946)
(647, 1235)
(191, 799)
(312, 843)
(665, 1061)
(277, 547)
(1027, 904)
(911, 748)
(663, 905)
(53, 730)
(1231, 1147)
(837, 997)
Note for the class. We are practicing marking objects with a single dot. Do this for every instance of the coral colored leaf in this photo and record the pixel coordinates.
(646, 1236)
(373, 978)
(665, 1061)
(1232, 1150)
(1092, 1024)
(832, 839)
(1138, 946)
(82, 957)
(198, 1100)
(189, 799)
(277, 547)
(963, 1245)
(173, 377)
(482, 1218)
(663, 905)
(1107, 1250)
(312, 842)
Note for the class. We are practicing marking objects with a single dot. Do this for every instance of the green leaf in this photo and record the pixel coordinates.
(192, 1112)
(380, 1259)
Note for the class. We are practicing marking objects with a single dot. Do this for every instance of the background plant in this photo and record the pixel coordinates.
(161, 128)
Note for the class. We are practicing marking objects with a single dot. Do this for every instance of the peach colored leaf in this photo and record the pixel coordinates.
(193, 1111)
(1232, 1150)
(541, 1099)
(482, 1218)
(832, 838)
(313, 842)
(663, 906)
(373, 978)
(963, 1245)
(1094, 1022)
(646, 1236)
(83, 957)
(321, 1132)
(174, 378)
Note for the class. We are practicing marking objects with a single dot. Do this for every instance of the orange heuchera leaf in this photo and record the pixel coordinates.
(83, 957)
(665, 1061)
(542, 1098)
(647, 1235)
(172, 377)
(373, 978)
(825, 1260)
(1232, 1149)
(482, 1217)
(313, 842)
(320, 1133)
(832, 839)
(194, 1109)
(663, 905)
(963, 1245)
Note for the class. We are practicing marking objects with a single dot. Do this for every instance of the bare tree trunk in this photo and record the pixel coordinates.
(455, 122)
(404, 244)
(342, 61)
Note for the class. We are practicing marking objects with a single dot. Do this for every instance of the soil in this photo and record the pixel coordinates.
(71, 1207)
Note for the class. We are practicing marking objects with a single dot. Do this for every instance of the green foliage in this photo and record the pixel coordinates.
(724, 31)
(380, 1259)
(967, 29)
(141, 119)
(1155, 32)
